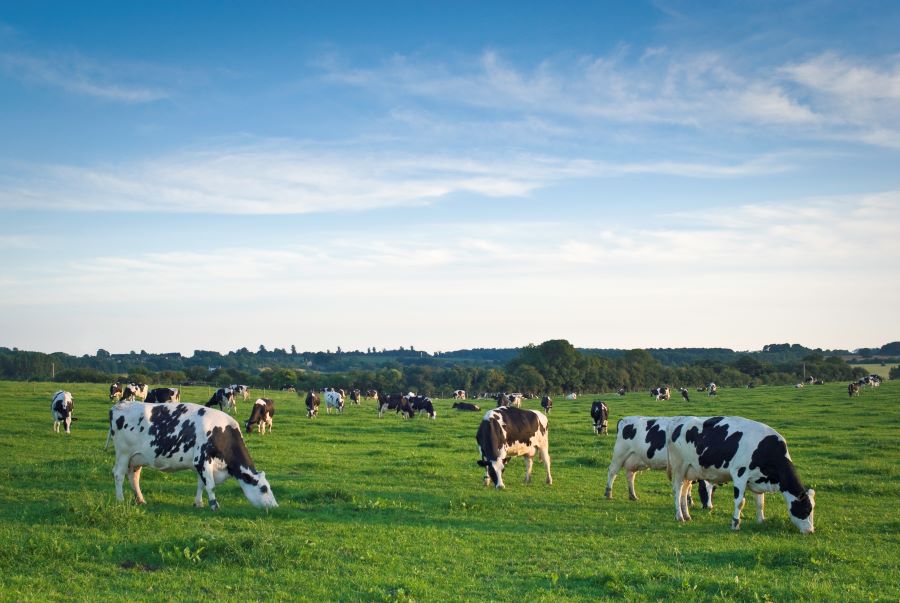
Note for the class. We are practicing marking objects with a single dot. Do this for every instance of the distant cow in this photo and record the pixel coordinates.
(312, 405)
(334, 399)
(600, 415)
(423, 404)
(163, 394)
(115, 392)
(261, 415)
(684, 394)
(661, 393)
(388, 402)
(371, 394)
(135, 390)
(355, 395)
(572, 396)
(459, 394)
(223, 397)
(853, 389)
(61, 408)
(509, 400)
(712, 390)
(621, 391)
(640, 445)
(465, 406)
(751, 455)
(507, 432)
(171, 437)
(547, 404)
(240, 390)
(810, 380)
(288, 388)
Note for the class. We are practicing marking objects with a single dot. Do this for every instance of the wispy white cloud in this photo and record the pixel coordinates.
(77, 74)
(290, 178)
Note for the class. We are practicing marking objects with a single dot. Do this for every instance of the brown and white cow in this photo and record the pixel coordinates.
(62, 405)
(459, 394)
(115, 392)
(547, 404)
(261, 415)
(751, 455)
(240, 390)
(312, 405)
(172, 437)
(853, 389)
(506, 432)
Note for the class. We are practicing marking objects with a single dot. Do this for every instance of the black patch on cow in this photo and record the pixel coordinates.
(141, 430)
(677, 432)
(201, 412)
(715, 448)
(120, 422)
(741, 471)
(169, 431)
(656, 437)
(263, 489)
(737, 492)
(771, 458)
(629, 432)
(228, 445)
(801, 508)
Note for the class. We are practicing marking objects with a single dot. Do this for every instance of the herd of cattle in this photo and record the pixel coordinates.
(170, 435)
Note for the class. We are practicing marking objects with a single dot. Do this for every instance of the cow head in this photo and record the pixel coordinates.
(258, 491)
(800, 510)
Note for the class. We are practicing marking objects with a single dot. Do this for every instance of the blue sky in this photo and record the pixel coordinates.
(448, 175)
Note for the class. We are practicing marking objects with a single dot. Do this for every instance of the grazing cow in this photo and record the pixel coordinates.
(240, 390)
(853, 389)
(504, 399)
(507, 432)
(799, 386)
(61, 408)
(115, 392)
(163, 394)
(819, 382)
(459, 394)
(288, 388)
(312, 405)
(261, 415)
(684, 394)
(355, 395)
(171, 437)
(712, 390)
(621, 391)
(334, 399)
(465, 406)
(600, 415)
(371, 394)
(423, 404)
(641, 444)
(751, 455)
(810, 380)
(224, 396)
(572, 396)
(661, 393)
(135, 390)
(547, 404)
(389, 402)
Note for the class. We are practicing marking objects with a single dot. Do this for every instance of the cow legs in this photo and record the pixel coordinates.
(629, 476)
(680, 487)
(760, 507)
(206, 480)
(529, 463)
(134, 476)
(738, 505)
(119, 471)
(545, 458)
(614, 468)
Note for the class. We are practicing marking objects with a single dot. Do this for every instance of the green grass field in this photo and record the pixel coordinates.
(393, 510)
(877, 368)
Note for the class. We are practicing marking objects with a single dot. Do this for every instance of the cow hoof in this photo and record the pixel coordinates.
(549, 482)
(735, 525)
(631, 497)
(214, 505)
(608, 493)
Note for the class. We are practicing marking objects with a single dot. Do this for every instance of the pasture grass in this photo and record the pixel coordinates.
(394, 510)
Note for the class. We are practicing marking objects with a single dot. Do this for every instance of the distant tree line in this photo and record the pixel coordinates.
(554, 366)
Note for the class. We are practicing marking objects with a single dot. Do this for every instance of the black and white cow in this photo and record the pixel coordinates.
(853, 389)
(261, 415)
(661, 393)
(334, 399)
(115, 392)
(572, 396)
(163, 394)
(287, 387)
(240, 390)
(547, 404)
(312, 405)
(504, 399)
(751, 455)
(371, 394)
(640, 445)
(684, 394)
(459, 394)
(506, 432)
(61, 408)
(712, 390)
(465, 406)
(621, 391)
(600, 415)
(135, 390)
(355, 396)
(224, 396)
(389, 402)
(171, 437)
(423, 404)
